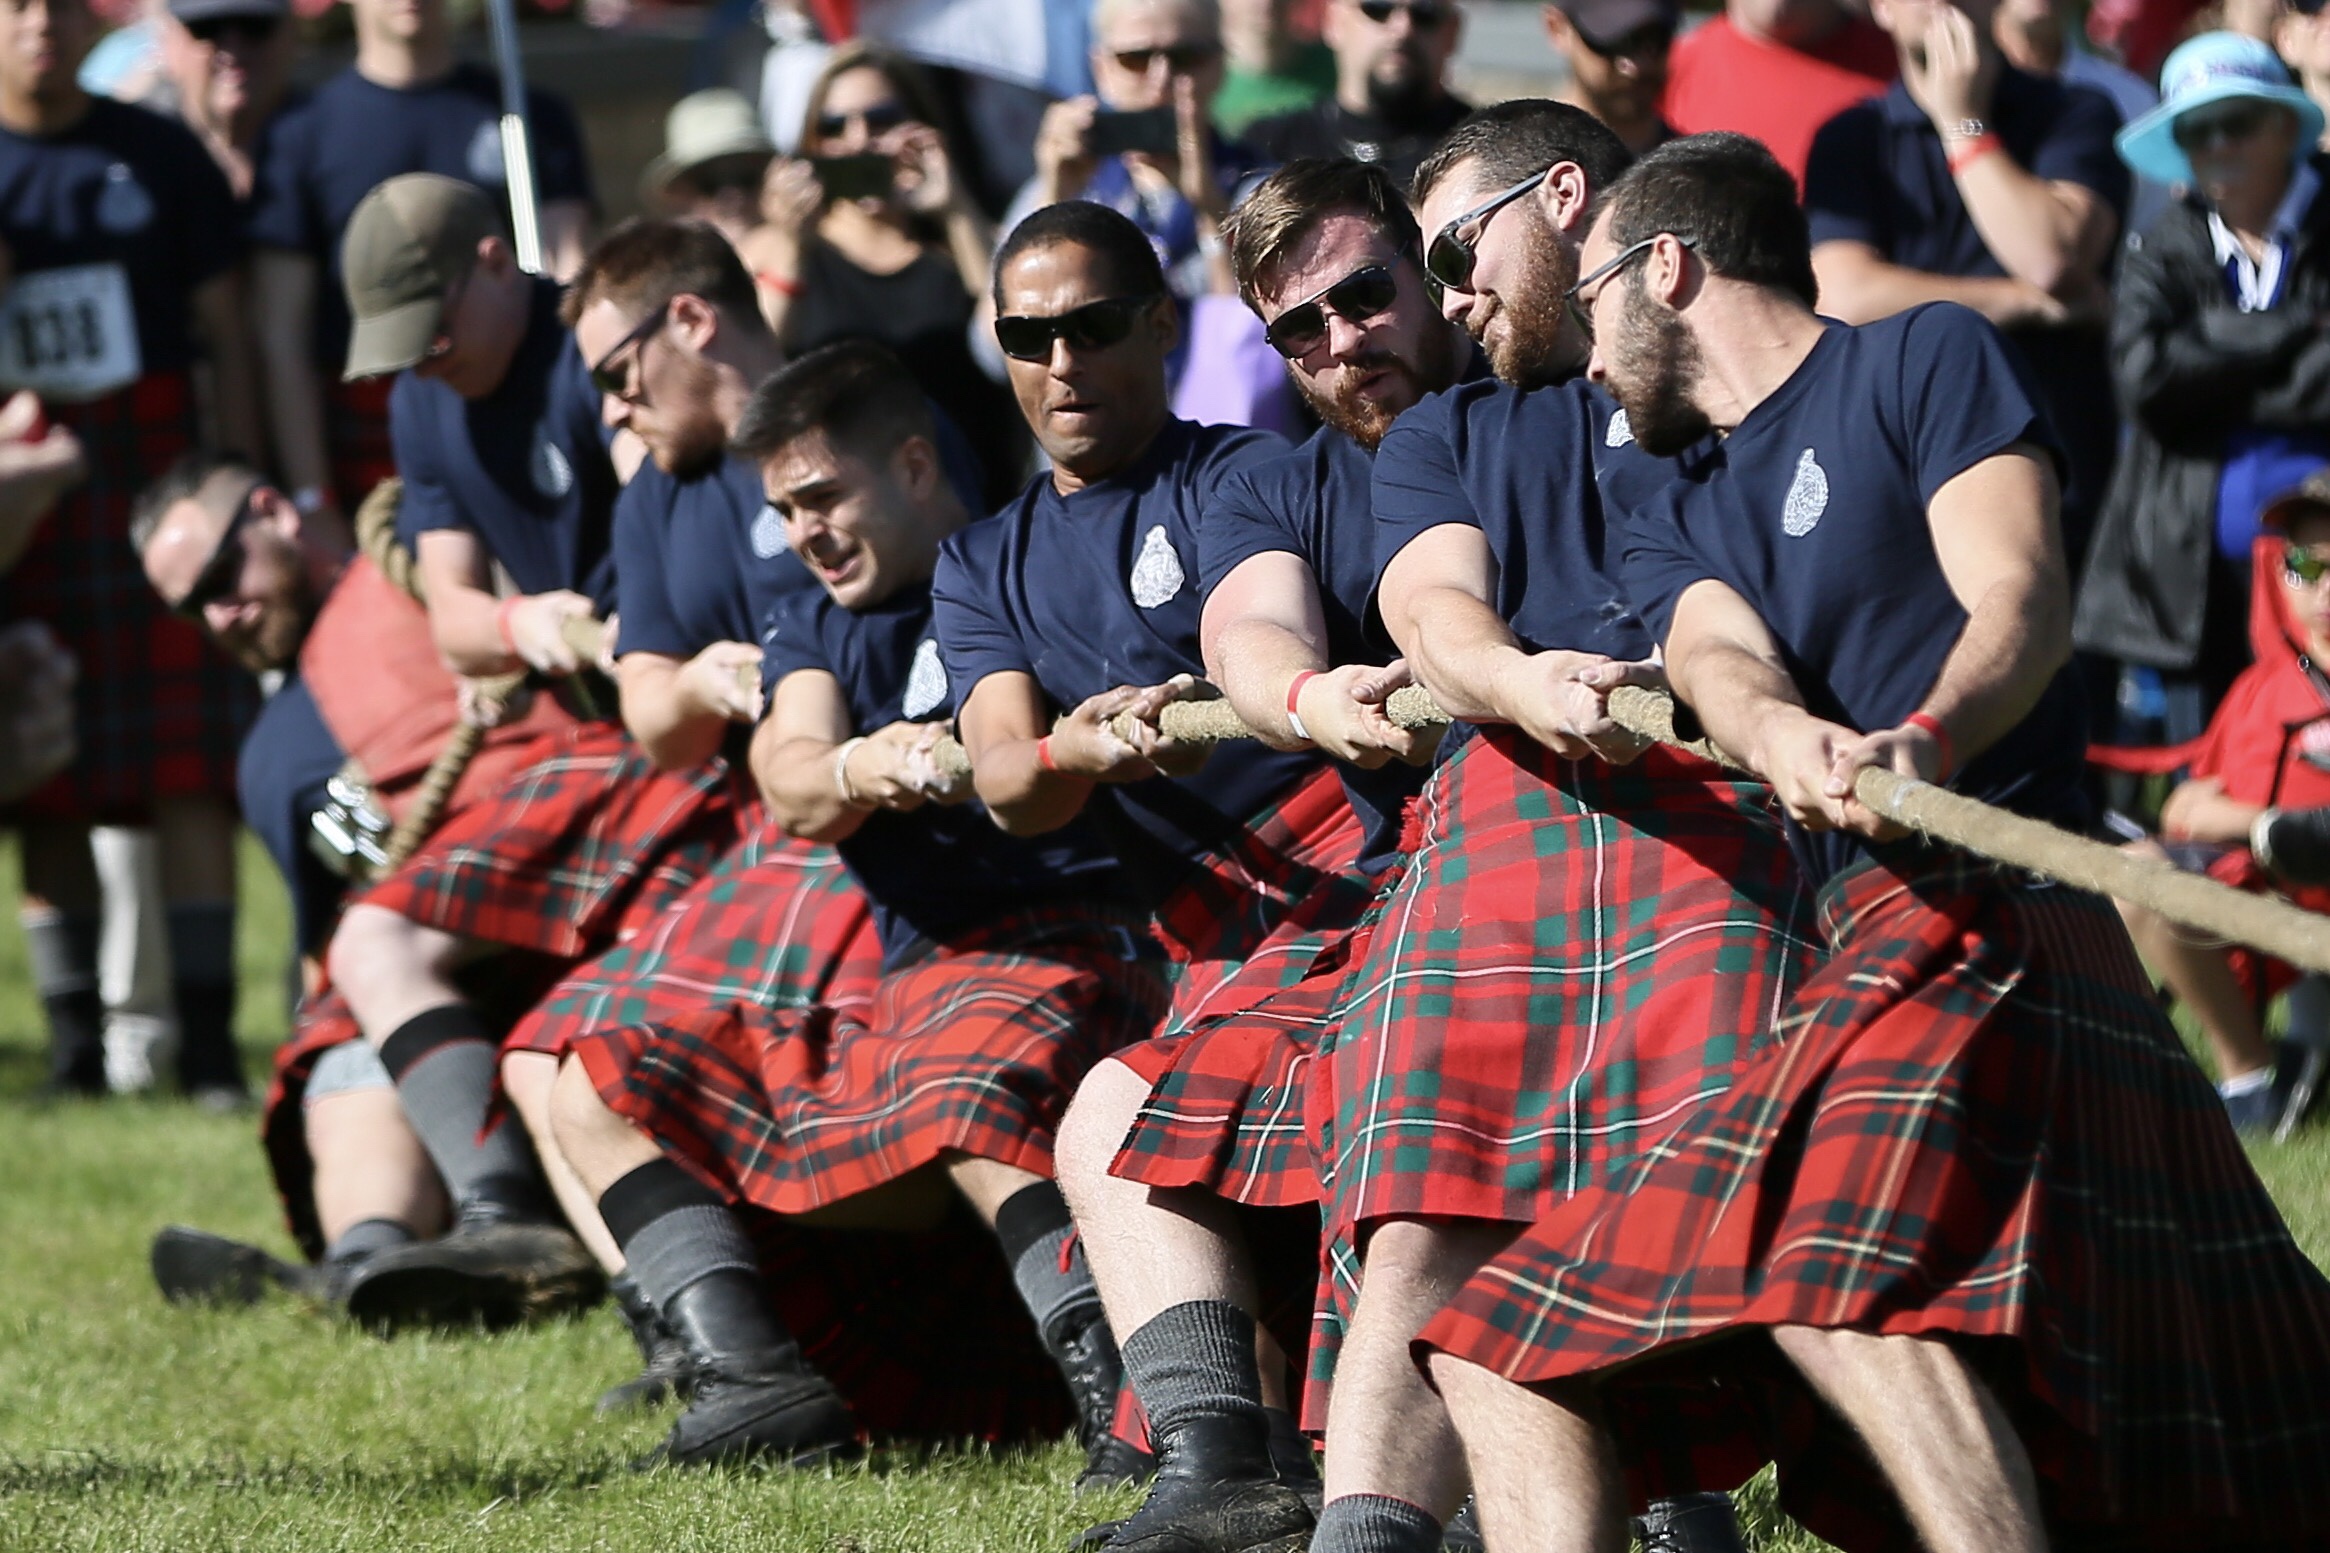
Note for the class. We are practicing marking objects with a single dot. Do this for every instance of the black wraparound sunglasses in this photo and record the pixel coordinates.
(879, 119)
(1094, 326)
(221, 577)
(614, 381)
(1449, 259)
(1357, 297)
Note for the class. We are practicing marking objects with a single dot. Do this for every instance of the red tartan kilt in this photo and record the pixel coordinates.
(2262, 977)
(580, 851)
(975, 1048)
(1977, 1123)
(160, 713)
(356, 437)
(777, 923)
(1262, 908)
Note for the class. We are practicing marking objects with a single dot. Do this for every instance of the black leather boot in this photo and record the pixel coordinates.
(756, 1398)
(1462, 1534)
(195, 1267)
(1290, 1453)
(1218, 1490)
(499, 1266)
(665, 1369)
(1690, 1523)
(1084, 1348)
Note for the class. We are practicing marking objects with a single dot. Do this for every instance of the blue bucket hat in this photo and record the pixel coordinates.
(2211, 68)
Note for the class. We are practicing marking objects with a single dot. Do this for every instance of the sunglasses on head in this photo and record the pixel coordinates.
(1355, 298)
(2234, 123)
(1450, 257)
(1652, 38)
(1423, 14)
(1094, 326)
(222, 29)
(221, 577)
(1180, 58)
(1581, 310)
(2302, 567)
(879, 119)
(614, 381)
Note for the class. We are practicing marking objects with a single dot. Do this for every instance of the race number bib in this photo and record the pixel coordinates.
(70, 334)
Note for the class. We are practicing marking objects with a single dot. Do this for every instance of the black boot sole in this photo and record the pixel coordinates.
(787, 1420)
(195, 1267)
(1237, 1518)
(496, 1278)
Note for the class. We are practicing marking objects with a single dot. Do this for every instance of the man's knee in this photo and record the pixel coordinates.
(369, 946)
(1437, 1253)
(578, 1117)
(1097, 1120)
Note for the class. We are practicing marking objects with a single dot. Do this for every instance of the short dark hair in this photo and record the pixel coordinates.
(186, 480)
(1513, 140)
(1283, 208)
(647, 261)
(856, 392)
(1132, 264)
(1729, 193)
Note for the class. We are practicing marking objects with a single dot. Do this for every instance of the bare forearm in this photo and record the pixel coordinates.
(1462, 652)
(797, 783)
(2026, 225)
(1737, 694)
(1253, 662)
(1024, 798)
(463, 624)
(664, 719)
(1874, 289)
(2016, 638)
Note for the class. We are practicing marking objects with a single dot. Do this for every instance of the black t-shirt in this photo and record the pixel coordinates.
(1879, 175)
(525, 468)
(939, 870)
(701, 560)
(110, 227)
(1326, 128)
(319, 158)
(923, 314)
(1814, 511)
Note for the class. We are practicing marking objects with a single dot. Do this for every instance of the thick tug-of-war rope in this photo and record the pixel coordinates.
(2190, 900)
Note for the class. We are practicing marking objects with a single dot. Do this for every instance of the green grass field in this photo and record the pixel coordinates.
(128, 1425)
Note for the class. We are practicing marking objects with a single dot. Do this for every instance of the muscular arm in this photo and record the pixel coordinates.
(792, 757)
(2049, 233)
(293, 390)
(1262, 626)
(1859, 285)
(1000, 723)
(679, 709)
(455, 572)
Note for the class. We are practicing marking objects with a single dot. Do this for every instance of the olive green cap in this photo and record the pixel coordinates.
(408, 242)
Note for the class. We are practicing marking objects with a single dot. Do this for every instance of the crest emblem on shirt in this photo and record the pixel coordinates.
(926, 681)
(485, 157)
(1619, 432)
(123, 205)
(553, 474)
(1807, 497)
(1157, 574)
(768, 534)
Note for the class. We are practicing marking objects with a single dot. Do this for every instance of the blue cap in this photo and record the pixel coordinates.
(2211, 68)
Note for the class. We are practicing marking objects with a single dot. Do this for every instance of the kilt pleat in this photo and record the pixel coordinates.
(777, 923)
(973, 1048)
(1577, 957)
(356, 438)
(582, 849)
(159, 712)
(1976, 1123)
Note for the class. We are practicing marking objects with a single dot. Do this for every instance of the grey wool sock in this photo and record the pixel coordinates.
(1195, 1360)
(1374, 1523)
(1055, 1293)
(681, 1247)
(62, 946)
(444, 1061)
(366, 1236)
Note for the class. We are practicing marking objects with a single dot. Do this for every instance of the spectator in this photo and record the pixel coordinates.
(226, 67)
(2221, 362)
(2042, 37)
(1777, 70)
(1269, 70)
(2302, 37)
(406, 105)
(1617, 51)
(714, 160)
(796, 54)
(903, 264)
(1150, 54)
(1970, 181)
(37, 466)
(1391, 102)
(2267, 748)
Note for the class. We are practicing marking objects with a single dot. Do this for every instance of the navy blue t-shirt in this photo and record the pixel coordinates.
(1814, 511)
(939, 870)
(525, 468)
(1545, 474)
(1096, 590)
(1879, 174)
(110, 226)
(287, 757)
(701, 560)
(1313, 503)
(319, 158)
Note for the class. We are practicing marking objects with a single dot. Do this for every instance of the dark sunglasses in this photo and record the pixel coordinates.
(2235, 123)
(614, 381)
(1094, 326)
(2302, 567)
(1180, 58)
(1449, 260)
(1424, 14)
(881, 118)
(221, 29)
(1581, 310)
(221, 577)
(1357, 297)
(1650, 39)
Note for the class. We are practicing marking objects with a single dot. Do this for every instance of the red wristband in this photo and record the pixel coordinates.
(1044, 754)
(1967, 152)
(1941, 736)
(1294, 690)
(782, 285)
(502, 621)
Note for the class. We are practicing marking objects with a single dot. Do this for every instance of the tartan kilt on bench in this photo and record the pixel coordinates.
(1978, 1123)
(1577, 957)
(580, 850)
(777, 923)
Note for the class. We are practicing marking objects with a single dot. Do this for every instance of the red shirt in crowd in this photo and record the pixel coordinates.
(1720, 78)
